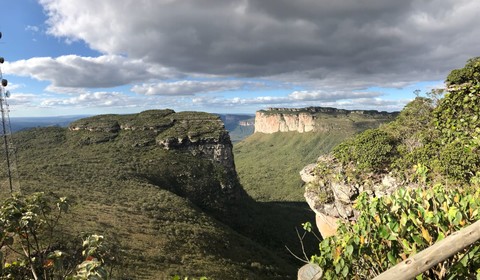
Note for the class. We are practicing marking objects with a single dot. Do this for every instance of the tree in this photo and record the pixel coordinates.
(28, 248)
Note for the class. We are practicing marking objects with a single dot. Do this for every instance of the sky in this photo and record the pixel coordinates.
(77, 57)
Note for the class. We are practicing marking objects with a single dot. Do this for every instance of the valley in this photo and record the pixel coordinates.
(162, 187)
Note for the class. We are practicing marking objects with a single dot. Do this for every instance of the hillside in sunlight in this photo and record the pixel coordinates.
(268, 163)
(159, 185)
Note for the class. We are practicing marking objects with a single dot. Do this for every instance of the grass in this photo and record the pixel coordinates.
(163, 211)
(268, 165)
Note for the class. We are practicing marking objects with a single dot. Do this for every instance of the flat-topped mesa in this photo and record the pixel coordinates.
(314, 119)
(201, 134)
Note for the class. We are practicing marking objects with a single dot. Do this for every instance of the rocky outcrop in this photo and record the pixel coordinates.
(331, 196)
(281, 122)
(314, 119)
(246, 123)
(199, 134)
(202, 135)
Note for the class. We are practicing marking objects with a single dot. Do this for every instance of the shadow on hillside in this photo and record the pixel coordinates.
(275, 225)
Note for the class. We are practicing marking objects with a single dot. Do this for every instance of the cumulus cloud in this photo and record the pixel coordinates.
(22, 99)
(191, 87)
(345, 40)
(330, 96)
(92, 99)
(90, 72)
(346, 100)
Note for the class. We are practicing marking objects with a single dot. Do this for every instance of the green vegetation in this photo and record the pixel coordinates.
(468, 74)
(392, 228)
(268, 164)
(370, 150)
(164, 210)
(31, 246)
(433, 142)
(444, 137)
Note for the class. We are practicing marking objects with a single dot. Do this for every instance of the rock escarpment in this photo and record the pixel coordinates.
(331, 196)
(319, 119)
(199, 135)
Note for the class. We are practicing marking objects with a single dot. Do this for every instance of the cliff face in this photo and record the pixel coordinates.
(331, 197)
(197, 134)
(319, 119)
(281, 122)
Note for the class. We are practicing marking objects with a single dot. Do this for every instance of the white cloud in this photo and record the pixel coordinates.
(346, 100)
(32, 28)
(92, 99)
(22, 99)
(73, 71)
(191, 87)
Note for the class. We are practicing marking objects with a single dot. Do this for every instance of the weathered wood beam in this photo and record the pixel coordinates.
(438, 252)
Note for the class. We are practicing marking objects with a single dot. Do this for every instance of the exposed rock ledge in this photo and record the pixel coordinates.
(201, 134)
(313, 119)
(331, 197)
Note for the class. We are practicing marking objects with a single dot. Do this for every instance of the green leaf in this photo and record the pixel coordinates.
(418, 239)
(440, 236)
(403, 219)
(338, 268)
(307, 226)
(349, 250)
(345, 271)
(383, 232)
(391, 258)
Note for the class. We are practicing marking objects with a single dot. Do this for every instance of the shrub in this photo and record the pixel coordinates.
(392, 228)
(27, 228)
(471, 72)
(372, 149)
(457, 161)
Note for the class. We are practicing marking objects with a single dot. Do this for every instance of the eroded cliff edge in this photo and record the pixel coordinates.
(317, 119)
(197, 144)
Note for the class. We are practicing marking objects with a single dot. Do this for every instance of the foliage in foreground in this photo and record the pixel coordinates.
(434, 141)
(392, 228)
(29, 248)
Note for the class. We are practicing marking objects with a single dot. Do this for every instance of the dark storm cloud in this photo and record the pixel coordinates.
(342, 41)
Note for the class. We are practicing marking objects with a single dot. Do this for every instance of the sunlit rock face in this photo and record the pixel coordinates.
(332, 197)
(313, 119)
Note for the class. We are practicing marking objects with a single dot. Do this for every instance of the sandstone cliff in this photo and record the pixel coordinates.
(331, 196)
(319, 119)
(198, 134)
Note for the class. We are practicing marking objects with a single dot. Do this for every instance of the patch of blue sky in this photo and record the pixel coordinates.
(29, 39)
(25, 84)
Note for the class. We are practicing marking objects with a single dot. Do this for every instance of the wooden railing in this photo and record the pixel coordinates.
(438, 252)
(419, 263)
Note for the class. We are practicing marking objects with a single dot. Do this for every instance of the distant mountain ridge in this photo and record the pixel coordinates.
(20, 123)
(320, 119)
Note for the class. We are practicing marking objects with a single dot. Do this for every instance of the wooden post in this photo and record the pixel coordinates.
(426, 259)
(310, 272)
